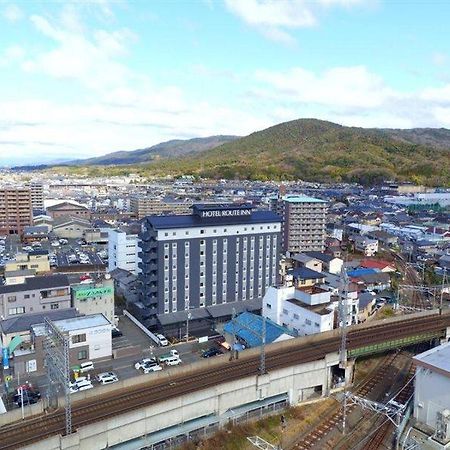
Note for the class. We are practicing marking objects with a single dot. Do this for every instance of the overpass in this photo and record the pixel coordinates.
(153, 408)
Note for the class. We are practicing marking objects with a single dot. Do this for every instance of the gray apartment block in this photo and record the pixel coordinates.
(219, 254)
(36, 294)
(303, 222)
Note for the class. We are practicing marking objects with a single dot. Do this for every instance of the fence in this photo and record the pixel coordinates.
(139, 325)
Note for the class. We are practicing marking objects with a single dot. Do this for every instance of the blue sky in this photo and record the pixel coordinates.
(83, 78)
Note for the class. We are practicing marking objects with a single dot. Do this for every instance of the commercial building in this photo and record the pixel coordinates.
(123, 249)
(432, 395)
(36, 294)
(90, 338)
(143, 205)
(95, 298)
(36, 260)
(70, 228)
(217, 255)
(15, 209)
(303, 222)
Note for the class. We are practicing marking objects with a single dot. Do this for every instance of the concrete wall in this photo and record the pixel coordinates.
(297, 381)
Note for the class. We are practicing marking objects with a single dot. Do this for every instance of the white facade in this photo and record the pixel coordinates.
(282, 305)
(367, 246)
(335, 266)
(432, 385)
(123, 251)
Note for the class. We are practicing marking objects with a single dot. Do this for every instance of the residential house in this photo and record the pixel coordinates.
(369, 247)
(330, 263)
(36, 260)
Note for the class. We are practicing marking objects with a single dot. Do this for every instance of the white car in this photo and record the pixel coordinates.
(162, 340)
(80, 384)
(86, 366)
(174, 361)
(107, 378)
(143, 362)
(151, 367)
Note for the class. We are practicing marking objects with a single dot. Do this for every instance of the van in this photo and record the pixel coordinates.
(86, 366)
(173, 361)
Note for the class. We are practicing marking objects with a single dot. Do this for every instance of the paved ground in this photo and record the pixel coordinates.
(124, 367)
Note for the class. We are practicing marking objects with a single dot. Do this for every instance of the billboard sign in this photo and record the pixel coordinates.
(83, 294)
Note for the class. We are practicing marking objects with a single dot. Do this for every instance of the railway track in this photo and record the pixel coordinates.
(125, 400)
(334, 417)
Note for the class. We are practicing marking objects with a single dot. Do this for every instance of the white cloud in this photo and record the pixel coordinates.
(439, 59)
(337, 87)
(275, 18)
(12, 13)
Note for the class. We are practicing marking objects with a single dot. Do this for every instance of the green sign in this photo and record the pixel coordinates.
(81, 294)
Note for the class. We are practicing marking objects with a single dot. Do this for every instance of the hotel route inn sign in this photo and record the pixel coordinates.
(206, 211)
(82, 294)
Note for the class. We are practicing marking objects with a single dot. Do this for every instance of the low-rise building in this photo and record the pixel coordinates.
(369, 247)
(432, 394)
(95, 298)
(330, 263)
(34, 233)
(18, 276)
(70, 228)
(300, 305)
(68, 209)
(37, 294)
(36, 260)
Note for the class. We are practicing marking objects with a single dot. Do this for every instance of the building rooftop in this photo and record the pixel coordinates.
(75, 323)
(35, 283)
(306, 274)
(437, 359)
(180, 221)
(302, 199)
(320, 309)
(24, 322)
(248, 327)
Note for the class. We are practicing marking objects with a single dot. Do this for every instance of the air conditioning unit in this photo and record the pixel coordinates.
(443, 425)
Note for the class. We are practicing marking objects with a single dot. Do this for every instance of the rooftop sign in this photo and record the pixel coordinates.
(224, 210)
(83, 294)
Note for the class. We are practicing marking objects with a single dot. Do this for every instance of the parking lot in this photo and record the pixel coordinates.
(65, 254)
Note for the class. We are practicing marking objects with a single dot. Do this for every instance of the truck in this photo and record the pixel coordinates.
(172, 354)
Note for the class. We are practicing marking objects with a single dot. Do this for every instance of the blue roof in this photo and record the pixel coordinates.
(180, 221)
(302, 199)
(360, 272)
(255, 323)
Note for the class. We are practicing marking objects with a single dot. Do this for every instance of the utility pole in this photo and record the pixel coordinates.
(441, 299)
(343, 313)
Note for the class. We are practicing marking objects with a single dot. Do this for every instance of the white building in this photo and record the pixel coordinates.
(365, 245)
(123, 251)
(302, 306)
(432, 393)
(90, 336)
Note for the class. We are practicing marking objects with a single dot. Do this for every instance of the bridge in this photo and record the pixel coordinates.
(152, 409)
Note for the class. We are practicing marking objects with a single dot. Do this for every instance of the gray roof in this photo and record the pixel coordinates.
(24, 322)
(320, 256)
(35, 229)
(306, 274)
(20, 273)
(437, 359)
(35, 283)
(226, 309)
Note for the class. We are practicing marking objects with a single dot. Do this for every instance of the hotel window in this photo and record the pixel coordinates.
(166, 234)
(202, 231)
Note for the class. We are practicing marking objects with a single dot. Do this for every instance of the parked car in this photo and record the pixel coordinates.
(172, 354)
(107, 378)
(174, 361)
(211, 352)
(151, 367)
(80, 384)
(140, 364)
(163, 342)
(27, 397)
(86, 366)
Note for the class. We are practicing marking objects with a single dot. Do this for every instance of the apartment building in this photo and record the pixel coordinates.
(15, 209)
(303, 222)
(217, 255)
(36, 294)
(123, 249)
(142, 206)
(37, 196)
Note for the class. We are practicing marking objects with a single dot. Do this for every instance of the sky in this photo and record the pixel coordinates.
(88, 77)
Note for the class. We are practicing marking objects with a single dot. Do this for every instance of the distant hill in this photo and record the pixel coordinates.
(307, 149)
(169, 149)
